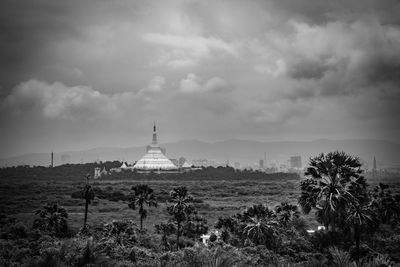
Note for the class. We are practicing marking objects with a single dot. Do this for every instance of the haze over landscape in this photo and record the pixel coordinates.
(77, 75)
(200, 133)
(245, 152)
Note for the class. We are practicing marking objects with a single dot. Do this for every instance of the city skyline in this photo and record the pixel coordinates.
(80, 75)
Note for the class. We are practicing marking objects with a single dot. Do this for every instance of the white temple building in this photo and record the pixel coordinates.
(154, 159)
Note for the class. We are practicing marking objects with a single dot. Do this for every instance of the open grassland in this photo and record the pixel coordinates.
(20, 198)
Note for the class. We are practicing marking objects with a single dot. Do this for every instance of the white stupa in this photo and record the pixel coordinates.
(154, 159)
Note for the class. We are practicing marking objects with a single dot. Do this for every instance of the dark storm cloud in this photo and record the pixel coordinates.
(308, 69)
(384, 70)
(321, 12)
(342, 58)
(27, 28)
(208, 69)
(29, 31)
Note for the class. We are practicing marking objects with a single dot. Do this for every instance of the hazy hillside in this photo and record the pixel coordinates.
(243, 151)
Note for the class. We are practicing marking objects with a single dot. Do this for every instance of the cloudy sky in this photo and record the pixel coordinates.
(82, 74)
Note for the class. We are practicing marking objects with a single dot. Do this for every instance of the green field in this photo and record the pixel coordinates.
(20, 198)
(217, 193)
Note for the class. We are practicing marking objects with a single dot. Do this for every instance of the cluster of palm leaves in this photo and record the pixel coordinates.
(258, 225)
(121, 232)
(52, 219)
(183, 217)
(142, 195)
(335, 188)
(333, 183)
(286, 213)
(180, 209)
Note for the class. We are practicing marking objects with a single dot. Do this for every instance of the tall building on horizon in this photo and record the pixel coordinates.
(374, 170)
(295, 162)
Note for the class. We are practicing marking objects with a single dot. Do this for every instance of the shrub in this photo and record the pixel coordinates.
(339, 257)
(213, 237)
(87, 255)
(49, 258)
(322, 240)
(389, 245)
(377, 261)
(147, 241)
(123, 232)
(53, 220)
(195, 227)
(21, 254)
(15, 231)
(316, 262)
(199, 256)
(364, 251)
(117, 196)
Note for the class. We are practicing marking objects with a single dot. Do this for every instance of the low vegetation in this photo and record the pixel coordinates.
(246, 222)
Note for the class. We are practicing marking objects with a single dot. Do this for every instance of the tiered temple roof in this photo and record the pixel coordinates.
(154, 159)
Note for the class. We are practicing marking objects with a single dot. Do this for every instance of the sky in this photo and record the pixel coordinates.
(80, 74)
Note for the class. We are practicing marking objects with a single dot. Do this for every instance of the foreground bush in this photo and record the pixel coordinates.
(52, 219)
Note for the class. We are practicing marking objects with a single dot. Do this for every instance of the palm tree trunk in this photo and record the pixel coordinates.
(86, 212)
(141, 212)
(177, 235)
(357, 238)
(164, 241)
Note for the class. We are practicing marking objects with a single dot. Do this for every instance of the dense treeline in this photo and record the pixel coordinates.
(61, 172)
(362, 228)
(77, 171)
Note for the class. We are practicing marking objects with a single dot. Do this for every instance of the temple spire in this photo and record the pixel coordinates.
(154, 142)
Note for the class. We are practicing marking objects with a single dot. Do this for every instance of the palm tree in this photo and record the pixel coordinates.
(142, 195)
(333, 180)
(53, 219)
(228, 225)
(88, 195)
(360, 217)
(260, 230)
(165, 229)
(181, 209)
(259, 211)
(286, 212)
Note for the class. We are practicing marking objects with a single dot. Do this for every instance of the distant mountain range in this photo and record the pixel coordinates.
(245, 152)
